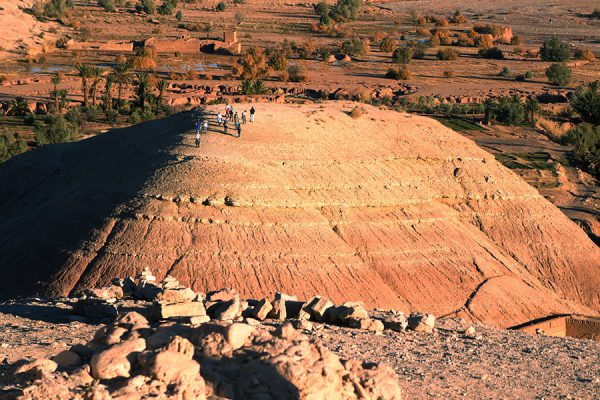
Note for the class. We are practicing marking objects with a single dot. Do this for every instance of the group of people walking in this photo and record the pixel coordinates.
(230, 115)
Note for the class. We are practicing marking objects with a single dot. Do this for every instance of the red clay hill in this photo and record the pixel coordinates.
(389, 208)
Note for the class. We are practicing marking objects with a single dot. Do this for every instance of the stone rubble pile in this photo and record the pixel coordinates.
(172, 301)
(131, 359)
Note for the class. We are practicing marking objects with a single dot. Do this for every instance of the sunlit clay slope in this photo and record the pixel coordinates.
(392, 209)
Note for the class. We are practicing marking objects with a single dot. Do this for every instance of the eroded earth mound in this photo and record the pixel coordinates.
(390, 208)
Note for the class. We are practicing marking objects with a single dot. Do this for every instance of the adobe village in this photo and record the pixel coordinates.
(244, 199)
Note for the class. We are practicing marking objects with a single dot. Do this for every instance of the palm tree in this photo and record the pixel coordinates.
(108, 92)
(161, 85)
(85, 72)
(62, 95)
(55, 81)
(208, 28)
(143, 85)
(532, 107)
(121, 76)
(96, 75)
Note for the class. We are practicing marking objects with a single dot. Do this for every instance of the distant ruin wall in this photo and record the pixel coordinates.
(583, 328)
(100, 46)
(578, 327)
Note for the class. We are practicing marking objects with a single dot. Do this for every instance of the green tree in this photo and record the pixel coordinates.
(55, 81)
(142, 84)
(559, 74)
(179, 16)
(532, 108)
(148, 6)
(85, 72)
(585, 139)
(554, 49)
(56, 130)
(402, 55)
(586, 101)
(96, 76)
(108, 100)
(122, 75)
(11, 145)
(108, 5)
(278, 61)
(388, 44)
(207, 28)
(161, 85)
(18, 107)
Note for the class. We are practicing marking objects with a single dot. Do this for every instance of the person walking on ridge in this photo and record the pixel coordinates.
(244, 115)
(227, 111)
(238, 126)
(219, 119)
(197, 139)
(205, 126)
(252, 111)
(236, 118)
(225, 125)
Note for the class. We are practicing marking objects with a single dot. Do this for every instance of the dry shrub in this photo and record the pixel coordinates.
(145, 59)
(484, 41)
(556, 131)
(208, 76)
(517, 41)
(446, 41)
(423, 32)
(379, 36)
(421, 20)
(447, 54)
(448, 74)
(402, 72)
(191, 74)
(441, 22)
(463, 40)
(284, 76)
(584, 54)
(356, 112)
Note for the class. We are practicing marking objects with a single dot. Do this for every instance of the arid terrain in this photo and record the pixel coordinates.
(406, 203)
(455, 360)
(394, 209)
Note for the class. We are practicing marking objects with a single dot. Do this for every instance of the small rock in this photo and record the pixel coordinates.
(116, 361)
(420, 322)
(67, 359)
(303, 324)
(262, 309)
(367, 324)
(181, 345)
(39, 367)
(188, 309)
(237, 334)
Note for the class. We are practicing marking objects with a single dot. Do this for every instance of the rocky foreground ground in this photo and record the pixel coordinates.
(151, 339)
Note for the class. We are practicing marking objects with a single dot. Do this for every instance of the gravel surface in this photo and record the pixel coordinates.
(491, 363)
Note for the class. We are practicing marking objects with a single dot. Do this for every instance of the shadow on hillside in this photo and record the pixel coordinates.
(56, 198)
(51, 313)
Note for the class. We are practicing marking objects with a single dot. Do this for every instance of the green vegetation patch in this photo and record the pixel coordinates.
(458, 124)
(536, 161)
